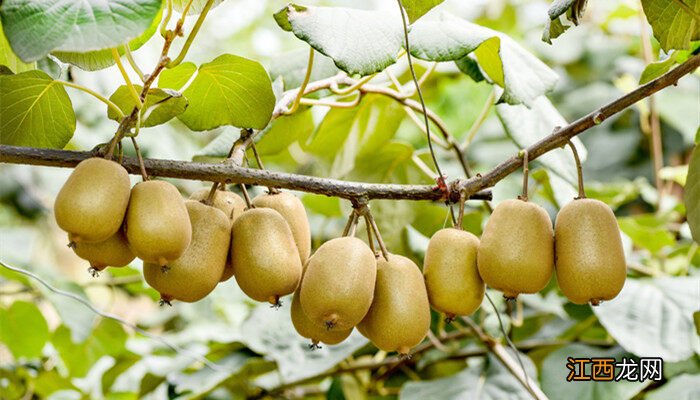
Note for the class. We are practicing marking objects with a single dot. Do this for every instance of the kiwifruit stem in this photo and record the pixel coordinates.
(375, 229)
(370, 239)
(212, 194)
(352, 220)
(579, 170)
(460, 215)
(144, 175)
(246, 197)
(526, 170)
(258, 160)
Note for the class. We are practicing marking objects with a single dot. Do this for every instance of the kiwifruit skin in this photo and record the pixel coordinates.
(232, 205)
(197, 272)
(451, 274)
(91, 204)
(158, 226)
(516, 254)
(590, 260)
(292, 209)
(338, 284)
(306, 328)
(112, 252)
(265, 259)
(399, 317)
(229, 202)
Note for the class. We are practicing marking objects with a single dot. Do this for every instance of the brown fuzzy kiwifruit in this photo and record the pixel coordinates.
(112, 252)
(338, 284)
(399, 317)
(451, 274)
(590, 261)
(197, 271)
(317, 334)
(292, 209)
(91, 204)
(516, 254)
(158, 226)
(265, 259)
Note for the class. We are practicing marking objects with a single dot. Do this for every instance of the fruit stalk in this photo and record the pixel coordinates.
(579, 170)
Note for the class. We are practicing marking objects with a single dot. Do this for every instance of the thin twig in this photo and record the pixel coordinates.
(125, 75)
(304, 83)
(193, 33)
(144, 174)
(375, 228)
(370, 240)
(526, 170)
(132, 62)
(579, 171)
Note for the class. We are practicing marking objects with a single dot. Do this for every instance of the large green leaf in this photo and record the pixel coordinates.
(35, 111)
(359, 41)
(692, 194)
(161, 105)
(347, 133)
(489, 380)
(267, 332)
(36, 28)
(648, 232)
(230, 90)
(654, 317)
(100, 59)
(675, 22)
(9, 59)
(525, 126)
(284, 131)
(448, 38)
(684, 387)
(554, 373)
(23, 329)
(108, 338)
(417, 8)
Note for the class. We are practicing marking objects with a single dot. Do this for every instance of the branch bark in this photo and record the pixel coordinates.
(230, 173)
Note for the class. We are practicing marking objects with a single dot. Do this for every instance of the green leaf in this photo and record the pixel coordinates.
(682, 387)
(100, 59)
(488, 380)
(656, 69)
(34, 29)
(8, 57)
(74, 315)
(284, 131)
(553, 29)
(230, 90)
(654, 317)
(161, 105)
(417, 8)
(647, 231)
(266, 333)
(107, 339)
(525, 126)
(676, 23)
(554, 373)
(23, 329)
(35, 111)
(692, 194)
(176, 78)
(470, 67)
(359, 41)
(323, 205)
(347, 133)
(448, 38)
(573, 8)
(196, 7)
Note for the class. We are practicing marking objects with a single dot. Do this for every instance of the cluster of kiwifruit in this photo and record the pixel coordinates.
(188, 247)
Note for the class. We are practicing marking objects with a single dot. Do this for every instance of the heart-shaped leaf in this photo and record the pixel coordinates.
(654, 317)
(675, 23)
(230, 90)
(35, 111)
(448, 38)
(161, 105)
(23, 329)
(35, 28)
(359, 41)
(692, 194)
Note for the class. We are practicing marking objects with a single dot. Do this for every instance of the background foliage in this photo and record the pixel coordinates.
(55, 347)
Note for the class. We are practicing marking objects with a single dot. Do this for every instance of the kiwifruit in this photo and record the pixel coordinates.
(306, 328)
(197, 271)
(338, 284)
(399, 317)
(451, 275)
(590, 261)
(516, 254)
(113, 252)
(157, 224)
(265, 260)
(91, 204)
(232, 205)
(292, 209)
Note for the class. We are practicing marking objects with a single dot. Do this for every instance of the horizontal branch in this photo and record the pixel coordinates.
(562, 135)
(229, 173)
